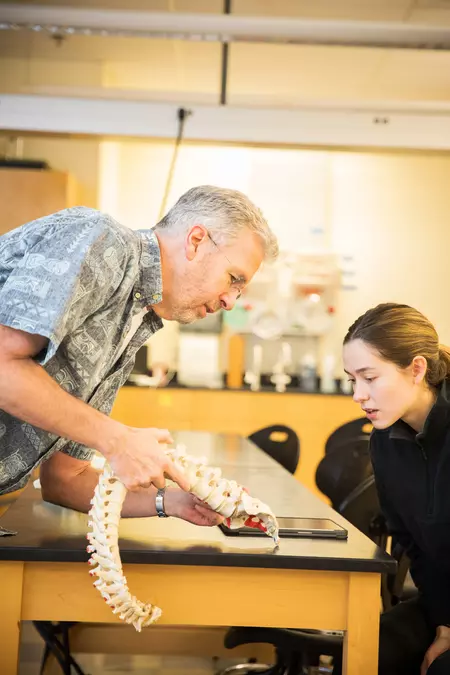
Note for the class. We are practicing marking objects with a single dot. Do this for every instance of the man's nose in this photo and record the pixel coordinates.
(228, 300)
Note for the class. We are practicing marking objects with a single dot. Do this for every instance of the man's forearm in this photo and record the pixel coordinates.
(30, 394)
(75, 491)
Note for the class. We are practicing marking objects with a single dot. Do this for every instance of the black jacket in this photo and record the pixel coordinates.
(412, 473)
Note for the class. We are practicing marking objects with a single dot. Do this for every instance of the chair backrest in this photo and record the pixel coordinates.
(362, 509)
(281, 443)
(348, 431)
(394, 588)
(341, 471)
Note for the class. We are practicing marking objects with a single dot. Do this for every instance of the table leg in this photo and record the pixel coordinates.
(363, 621)
(10, 615)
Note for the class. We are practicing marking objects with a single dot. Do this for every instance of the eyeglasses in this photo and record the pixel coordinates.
(237, 283)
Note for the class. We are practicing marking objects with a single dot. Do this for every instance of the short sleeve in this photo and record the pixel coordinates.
(66, 274)
(78, 451)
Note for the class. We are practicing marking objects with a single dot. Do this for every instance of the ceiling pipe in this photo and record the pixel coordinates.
(224, 28)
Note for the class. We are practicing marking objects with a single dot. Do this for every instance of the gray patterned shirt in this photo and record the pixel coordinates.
(76, 277)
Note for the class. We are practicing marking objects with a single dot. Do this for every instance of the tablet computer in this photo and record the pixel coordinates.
(322, 528)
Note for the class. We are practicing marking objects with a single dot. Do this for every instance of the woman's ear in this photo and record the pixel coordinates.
(419, 368)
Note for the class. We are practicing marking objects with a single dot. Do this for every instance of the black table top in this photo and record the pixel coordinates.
(54, 534)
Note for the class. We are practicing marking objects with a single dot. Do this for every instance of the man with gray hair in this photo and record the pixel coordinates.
(79, 295)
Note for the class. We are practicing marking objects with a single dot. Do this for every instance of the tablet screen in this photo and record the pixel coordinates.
(296, 527)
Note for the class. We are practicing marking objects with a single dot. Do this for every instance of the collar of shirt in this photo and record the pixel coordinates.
(148, 289)
(436, 424)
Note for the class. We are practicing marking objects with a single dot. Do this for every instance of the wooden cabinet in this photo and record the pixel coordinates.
(26, 194)
(312, 416)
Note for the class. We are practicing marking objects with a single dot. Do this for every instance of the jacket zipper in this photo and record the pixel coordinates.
(430, 483)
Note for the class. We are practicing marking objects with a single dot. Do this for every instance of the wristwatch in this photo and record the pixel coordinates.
(159, 501)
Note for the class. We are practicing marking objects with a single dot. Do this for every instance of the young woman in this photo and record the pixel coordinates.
(400, 376)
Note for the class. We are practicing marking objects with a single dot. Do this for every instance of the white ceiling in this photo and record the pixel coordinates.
(258, 73)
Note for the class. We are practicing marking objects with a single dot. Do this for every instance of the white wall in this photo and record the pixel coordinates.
(291, 187)
(392, 213)
(389, 211)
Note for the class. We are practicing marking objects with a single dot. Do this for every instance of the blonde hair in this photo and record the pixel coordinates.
(225, 212)
(400, 333)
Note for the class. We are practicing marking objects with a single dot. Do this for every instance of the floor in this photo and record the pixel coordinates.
(98, 664)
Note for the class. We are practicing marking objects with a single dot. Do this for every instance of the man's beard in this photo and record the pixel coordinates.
(184, 314)
(184, 311)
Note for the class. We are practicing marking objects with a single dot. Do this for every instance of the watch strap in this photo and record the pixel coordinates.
(159, 501)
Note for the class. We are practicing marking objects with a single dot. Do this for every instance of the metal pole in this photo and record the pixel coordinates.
(225, 48)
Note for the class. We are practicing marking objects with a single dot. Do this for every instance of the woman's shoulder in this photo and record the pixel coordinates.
(379, 439)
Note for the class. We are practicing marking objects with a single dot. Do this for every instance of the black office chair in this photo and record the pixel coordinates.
(341, 471)
(401, 587)
(281, 443)
(294, 649)
(348, 431)
(56, 636)
(362, 509)
(345, 476)
(301, 649)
